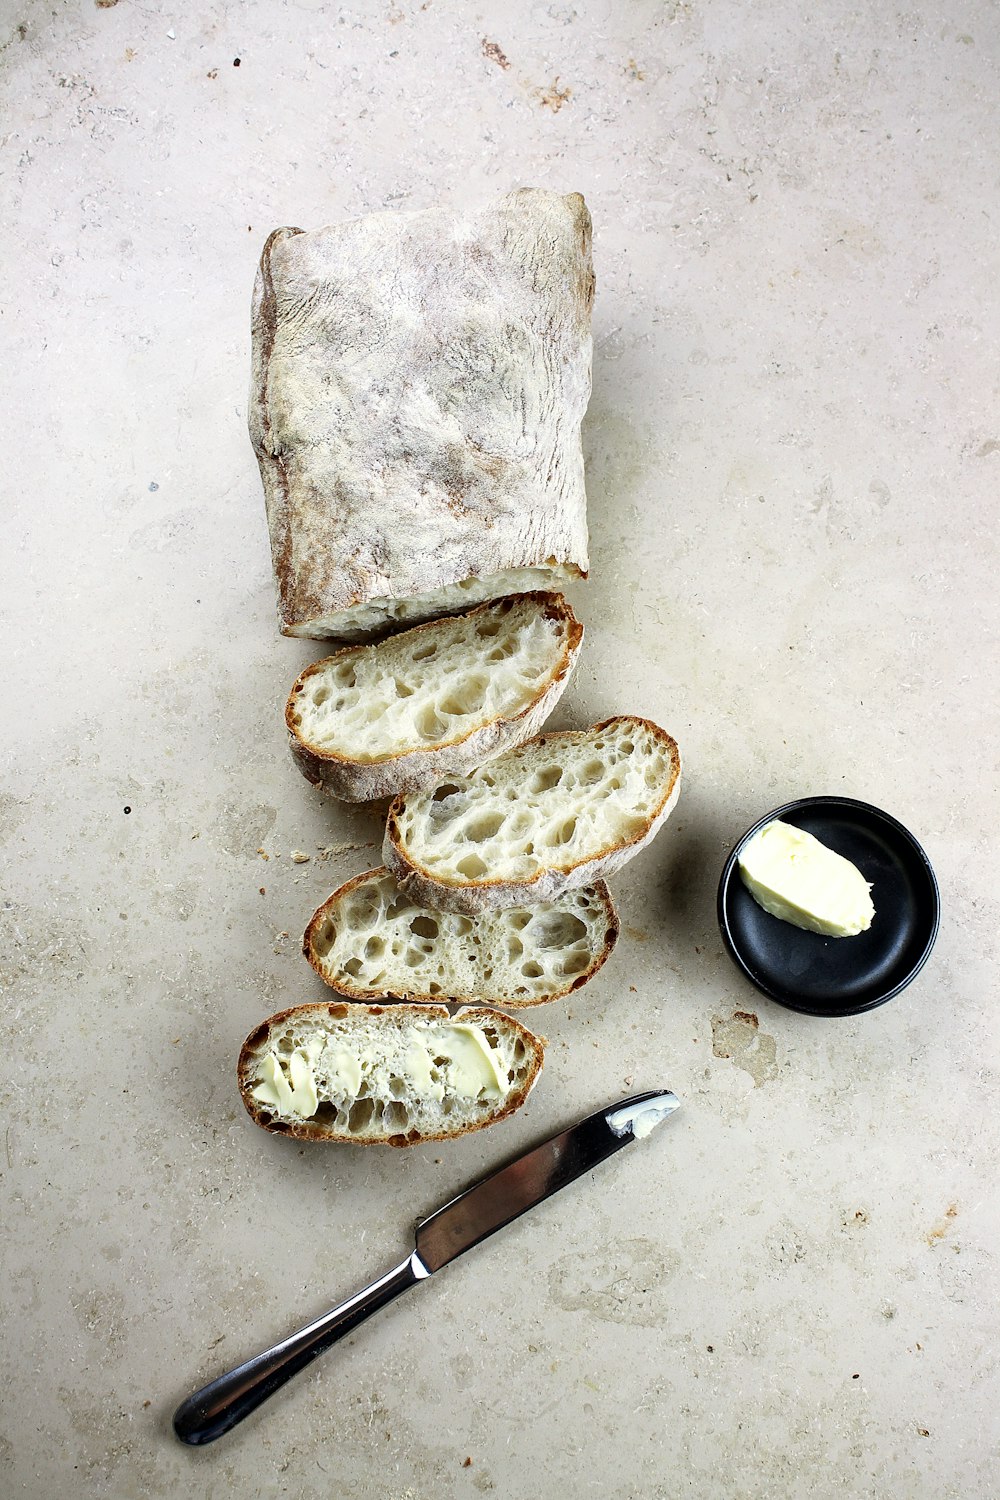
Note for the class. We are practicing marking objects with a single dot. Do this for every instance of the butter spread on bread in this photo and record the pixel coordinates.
(390, 1075)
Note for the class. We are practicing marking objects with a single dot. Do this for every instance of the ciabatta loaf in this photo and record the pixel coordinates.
(385, 1075)
(372, 721)
(417, 389)
(371, 941)
(560, 811)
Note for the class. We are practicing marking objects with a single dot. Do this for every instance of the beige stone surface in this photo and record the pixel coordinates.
(793, 451)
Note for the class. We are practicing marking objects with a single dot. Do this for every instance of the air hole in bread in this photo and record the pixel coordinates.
(425, 652)
(397, 1087)
(374, 948)
(320, 696)
(546, 779)
(344, 675)
(353, 967)
(446, 790)
(424, 926)
(519, 920)
(326, 1113)
(483, 828)
(394, 1116)
(468, 699)
(557, 930)
(531, 970)
(360, 1115)
(324, 937)
(403, 690)
(472, 867)
(430, 725)
(488, 627)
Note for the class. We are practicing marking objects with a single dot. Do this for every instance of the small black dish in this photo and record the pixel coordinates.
(827, 976)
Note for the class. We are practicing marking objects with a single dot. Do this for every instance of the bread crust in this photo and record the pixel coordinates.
(309, 1131)
(356, 993)
(417, 386)
(472, 897)
(389, 775)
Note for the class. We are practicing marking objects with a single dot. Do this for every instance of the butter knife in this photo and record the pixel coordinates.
(465, 1221)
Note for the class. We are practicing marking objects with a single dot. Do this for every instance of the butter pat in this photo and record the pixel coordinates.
(795, 877)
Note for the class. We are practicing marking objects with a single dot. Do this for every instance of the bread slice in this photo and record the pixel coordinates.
(385, 1075)
(371, 941)
(418, 383)
(437, 700)
(558, 812)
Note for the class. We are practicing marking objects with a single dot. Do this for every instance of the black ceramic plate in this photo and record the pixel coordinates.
(826, 976)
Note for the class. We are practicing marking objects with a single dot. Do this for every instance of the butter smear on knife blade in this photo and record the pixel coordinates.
(795, 877)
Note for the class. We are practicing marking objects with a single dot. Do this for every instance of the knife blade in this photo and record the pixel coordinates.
(465, 1221)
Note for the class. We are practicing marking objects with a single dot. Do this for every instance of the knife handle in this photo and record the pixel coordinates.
(218, 1406)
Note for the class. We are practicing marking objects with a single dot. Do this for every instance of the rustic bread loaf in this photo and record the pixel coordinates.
(434, 701)
(371, 941)
(385, 1075)
(417, 389)
(558, 812)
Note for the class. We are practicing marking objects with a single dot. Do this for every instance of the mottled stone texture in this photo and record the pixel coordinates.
(792, 455)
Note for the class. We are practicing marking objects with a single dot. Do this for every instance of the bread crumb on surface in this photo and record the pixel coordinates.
(300, 857)
(327, 851)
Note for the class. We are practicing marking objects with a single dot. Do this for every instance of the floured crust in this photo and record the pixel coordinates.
(486, 892)
(354, 780)
(361, 1017)
(418, 383)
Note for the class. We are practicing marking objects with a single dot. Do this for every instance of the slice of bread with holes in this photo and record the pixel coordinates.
(386, 1075)
(438, 700)
(371, 941)
(559, 812)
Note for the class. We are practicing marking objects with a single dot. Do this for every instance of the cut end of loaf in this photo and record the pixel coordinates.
(370, 621)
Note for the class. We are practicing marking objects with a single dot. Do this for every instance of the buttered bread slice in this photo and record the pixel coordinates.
(385, 1075)
(556, 813)
(438, 700)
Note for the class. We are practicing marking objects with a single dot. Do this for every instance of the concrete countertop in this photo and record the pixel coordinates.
(793, 449)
